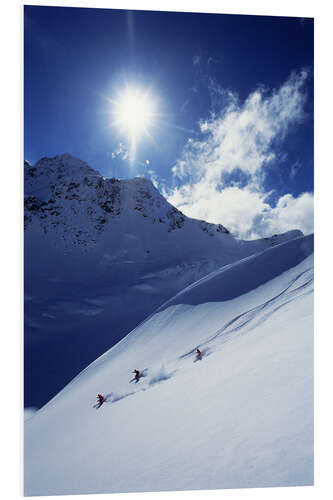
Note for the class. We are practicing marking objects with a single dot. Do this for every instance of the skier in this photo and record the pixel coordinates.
(198, 354)
(136, 376)
(101, 400)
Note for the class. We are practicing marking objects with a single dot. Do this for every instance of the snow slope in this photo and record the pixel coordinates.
(96, 248)
(242, 416)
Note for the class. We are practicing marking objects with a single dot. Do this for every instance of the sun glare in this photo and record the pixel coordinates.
(134, 113)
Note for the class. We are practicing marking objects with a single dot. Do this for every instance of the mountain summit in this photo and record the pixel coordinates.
(73, 201)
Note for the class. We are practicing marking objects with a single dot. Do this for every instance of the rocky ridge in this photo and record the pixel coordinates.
(66, 196)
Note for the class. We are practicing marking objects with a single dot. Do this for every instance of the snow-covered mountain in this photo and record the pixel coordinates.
(75, 205)
(241, 416)
(100, 255)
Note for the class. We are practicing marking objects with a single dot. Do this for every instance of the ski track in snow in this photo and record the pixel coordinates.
(241, 416)
(301, 285)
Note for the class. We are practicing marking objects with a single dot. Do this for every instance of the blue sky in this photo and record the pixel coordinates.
(232, 141)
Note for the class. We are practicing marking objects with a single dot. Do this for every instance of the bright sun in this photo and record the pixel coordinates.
(134, 112)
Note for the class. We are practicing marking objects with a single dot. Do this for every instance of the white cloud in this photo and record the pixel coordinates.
(295, 169)
(242, 138)
(289, 213)
(120, 151)
(153, 177)
(245, 211)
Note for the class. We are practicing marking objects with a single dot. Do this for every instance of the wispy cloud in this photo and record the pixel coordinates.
(153, 177)
(295, 169)
(121, 151)
(220, 177)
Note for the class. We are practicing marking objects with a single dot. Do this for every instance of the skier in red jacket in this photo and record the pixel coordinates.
(198, 354)
(136, 376)
(101, 400)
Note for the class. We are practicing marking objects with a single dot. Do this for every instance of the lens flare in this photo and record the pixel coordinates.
(133, 113)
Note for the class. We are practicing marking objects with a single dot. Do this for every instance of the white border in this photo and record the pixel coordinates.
(11, 241)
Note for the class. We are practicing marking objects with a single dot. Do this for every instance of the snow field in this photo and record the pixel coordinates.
(242, 416)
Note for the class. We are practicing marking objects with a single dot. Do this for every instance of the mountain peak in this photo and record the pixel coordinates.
(67, 197)
(64, 164)
(76, 206)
